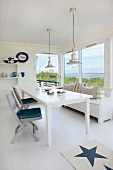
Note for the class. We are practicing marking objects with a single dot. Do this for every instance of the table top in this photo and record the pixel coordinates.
(55, 99)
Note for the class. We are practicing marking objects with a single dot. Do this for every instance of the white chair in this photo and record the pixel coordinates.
(25, 103)
(23, 117)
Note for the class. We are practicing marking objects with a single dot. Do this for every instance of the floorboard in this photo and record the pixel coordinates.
(68, 129)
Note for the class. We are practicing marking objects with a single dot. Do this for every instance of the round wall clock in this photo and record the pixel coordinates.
(22, 57)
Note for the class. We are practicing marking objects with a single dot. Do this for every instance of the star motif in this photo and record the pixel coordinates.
(90, 154)
(108, 168)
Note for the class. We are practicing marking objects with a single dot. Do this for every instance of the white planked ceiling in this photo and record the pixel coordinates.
(27, 20)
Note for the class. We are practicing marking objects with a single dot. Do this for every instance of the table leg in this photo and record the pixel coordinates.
(87, 115)
(49, 124)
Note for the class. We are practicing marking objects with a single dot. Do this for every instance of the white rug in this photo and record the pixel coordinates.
(90, 156)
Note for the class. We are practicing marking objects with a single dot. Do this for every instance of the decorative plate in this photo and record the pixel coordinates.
(22, 57)
(10, 60)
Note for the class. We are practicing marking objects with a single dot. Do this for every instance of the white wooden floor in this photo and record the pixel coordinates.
(68, 131)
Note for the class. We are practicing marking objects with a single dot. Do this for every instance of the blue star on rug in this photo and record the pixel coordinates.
(108, 168)
(90, 154)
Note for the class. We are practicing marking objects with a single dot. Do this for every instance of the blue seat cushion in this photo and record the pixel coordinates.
(29, 113)
(28, 100)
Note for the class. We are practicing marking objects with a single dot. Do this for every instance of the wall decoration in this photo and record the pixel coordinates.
(10, 60)
(22, 57)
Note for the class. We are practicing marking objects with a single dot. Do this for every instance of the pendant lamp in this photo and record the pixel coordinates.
(49, 65)
(73, 59)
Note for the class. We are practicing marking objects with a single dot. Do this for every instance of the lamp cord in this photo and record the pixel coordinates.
(49, 45)
(73, 30)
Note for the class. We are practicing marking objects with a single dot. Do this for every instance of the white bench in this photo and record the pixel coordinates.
(101, 108)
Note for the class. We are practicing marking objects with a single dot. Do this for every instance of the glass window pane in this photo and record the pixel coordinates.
(93, 65)
(47, 75)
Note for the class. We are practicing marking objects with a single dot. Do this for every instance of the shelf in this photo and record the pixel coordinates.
(6, 83)
(4, 78)
(5, 64)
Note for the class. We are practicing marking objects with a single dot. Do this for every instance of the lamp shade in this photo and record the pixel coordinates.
(73, 59)
(49, 65)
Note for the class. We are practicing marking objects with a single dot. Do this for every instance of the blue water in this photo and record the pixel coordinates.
(86, 75)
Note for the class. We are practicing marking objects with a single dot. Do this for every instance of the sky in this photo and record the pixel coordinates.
(93, 59)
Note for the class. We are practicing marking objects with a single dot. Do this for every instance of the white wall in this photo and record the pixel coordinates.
(98, 35)
(107, 65)
(108, 62)
(111, 62)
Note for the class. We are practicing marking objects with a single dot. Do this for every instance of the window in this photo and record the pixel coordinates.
(47, 75)
(70, 71)
(93, 65)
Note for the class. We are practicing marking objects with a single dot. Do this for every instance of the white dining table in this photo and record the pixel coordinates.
(58, 100)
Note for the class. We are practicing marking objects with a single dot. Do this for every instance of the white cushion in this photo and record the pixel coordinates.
(90, 90)
(69, 87)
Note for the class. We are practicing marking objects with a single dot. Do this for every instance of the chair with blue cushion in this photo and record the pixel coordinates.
(23, 117)
(25, 103)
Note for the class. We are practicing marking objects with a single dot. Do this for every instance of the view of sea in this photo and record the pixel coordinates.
(86, 75)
